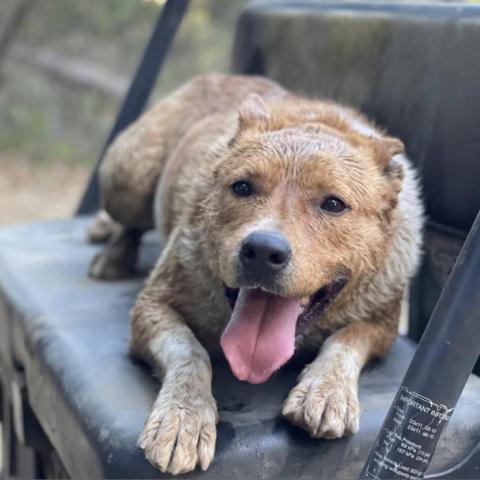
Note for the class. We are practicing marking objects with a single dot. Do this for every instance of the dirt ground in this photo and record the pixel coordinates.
(30, 191)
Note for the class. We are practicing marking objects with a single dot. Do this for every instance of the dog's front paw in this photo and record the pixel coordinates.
(325, 406)
(180, 433)
(106, 265)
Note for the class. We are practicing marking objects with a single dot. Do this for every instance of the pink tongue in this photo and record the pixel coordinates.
(260, 336)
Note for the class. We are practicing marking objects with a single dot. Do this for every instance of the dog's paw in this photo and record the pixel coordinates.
(180, 433)
(105, 266)
(324, 406)
(102, 228)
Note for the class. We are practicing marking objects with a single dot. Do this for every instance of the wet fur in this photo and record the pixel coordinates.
(173, 168)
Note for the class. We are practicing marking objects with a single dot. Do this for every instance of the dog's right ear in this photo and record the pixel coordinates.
(386, 148)
(253, 113)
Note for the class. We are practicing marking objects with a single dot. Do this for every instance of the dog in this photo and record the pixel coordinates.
(290, 224)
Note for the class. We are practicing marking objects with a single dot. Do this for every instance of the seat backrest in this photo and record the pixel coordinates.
(416, 70)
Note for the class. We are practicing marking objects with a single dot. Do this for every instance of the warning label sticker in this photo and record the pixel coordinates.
(409, 438)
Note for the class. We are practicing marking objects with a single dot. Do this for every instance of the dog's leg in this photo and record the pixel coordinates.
(325, 400)
(128, 177)
(102, 227)
(180, 432)
(118, 257)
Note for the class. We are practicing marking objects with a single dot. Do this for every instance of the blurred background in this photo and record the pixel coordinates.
(64, 68)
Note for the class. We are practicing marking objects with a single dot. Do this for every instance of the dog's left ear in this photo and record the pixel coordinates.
(385, 150)
(253, 113)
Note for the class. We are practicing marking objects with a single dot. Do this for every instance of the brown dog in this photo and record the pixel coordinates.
(288, 204)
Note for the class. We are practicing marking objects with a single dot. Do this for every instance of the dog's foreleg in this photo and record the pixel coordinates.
(325, 400)
(180, 432)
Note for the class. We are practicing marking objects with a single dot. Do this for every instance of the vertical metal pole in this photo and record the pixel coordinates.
(142, 85)
(436, 376)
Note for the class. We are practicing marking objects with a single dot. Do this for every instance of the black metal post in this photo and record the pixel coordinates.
(142, 85)
(436, 376)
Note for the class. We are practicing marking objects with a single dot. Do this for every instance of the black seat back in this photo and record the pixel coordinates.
(416, 70)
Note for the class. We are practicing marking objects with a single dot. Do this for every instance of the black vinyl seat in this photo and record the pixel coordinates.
(69, 335)
(65, 371)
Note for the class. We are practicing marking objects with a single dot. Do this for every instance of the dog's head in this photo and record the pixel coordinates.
(301, 205)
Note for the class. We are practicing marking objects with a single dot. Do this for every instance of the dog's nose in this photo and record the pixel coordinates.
(265, 253)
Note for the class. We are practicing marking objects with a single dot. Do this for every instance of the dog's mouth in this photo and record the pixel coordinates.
(318, 303)
(260, 336)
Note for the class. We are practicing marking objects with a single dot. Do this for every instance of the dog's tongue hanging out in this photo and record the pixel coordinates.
(260, 336)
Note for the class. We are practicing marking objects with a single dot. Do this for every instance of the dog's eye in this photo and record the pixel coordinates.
(242, 188)
(333, 205)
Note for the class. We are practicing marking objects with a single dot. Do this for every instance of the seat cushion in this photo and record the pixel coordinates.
(69, 335)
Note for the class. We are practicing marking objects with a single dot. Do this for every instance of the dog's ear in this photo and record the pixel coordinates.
(253, 113)
(385, 150)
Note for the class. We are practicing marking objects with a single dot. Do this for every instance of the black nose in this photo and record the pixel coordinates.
(265, 254)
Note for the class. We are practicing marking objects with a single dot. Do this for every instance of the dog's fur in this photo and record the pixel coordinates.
(174, 168)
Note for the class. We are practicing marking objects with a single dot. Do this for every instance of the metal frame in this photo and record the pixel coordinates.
(141, 87)
(436, 376)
